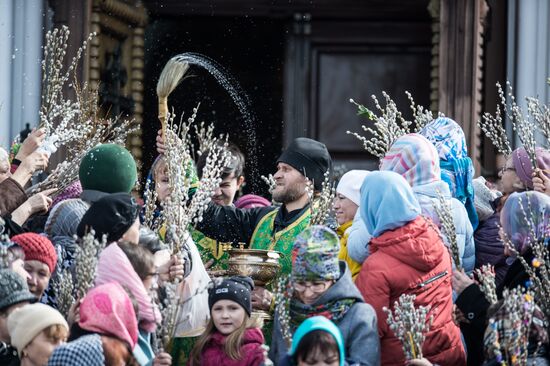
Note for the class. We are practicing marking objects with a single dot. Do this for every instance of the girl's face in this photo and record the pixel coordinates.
(40, 349)
(161, 186)
(39, 276)
(344, 208)
(227, 316)
(318, 358)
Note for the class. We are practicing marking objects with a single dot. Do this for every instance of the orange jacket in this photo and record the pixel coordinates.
(413, 260)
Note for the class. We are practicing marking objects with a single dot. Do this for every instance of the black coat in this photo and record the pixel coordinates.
(8, 355)
(230, 224)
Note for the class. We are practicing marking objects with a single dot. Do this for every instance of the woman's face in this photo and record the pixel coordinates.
(227, 316)
(309, 291)
(40, 349)
(509, 180)
(344, 209)
(39, 276)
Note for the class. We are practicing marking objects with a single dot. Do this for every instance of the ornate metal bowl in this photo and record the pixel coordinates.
(260, 265)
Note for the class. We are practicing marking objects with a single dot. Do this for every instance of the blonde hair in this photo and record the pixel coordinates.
(56, 333)
(232, 345)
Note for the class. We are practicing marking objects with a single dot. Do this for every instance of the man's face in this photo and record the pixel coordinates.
(290, 184)
(225, 193)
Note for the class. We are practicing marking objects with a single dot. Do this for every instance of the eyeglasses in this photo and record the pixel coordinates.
(314, 287)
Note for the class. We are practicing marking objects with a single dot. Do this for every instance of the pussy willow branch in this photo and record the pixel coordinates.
(410, 324)
(445, 215)
(390, 124)
(283, 294)
(486, 280)
(181, 209)
(322, 205)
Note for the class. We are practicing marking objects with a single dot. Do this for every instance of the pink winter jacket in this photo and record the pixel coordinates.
(252, 352)
(412, 260)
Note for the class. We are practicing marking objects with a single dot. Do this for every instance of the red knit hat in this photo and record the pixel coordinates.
(37, 247)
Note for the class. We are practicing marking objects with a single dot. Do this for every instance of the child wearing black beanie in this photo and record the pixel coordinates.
(232, 336)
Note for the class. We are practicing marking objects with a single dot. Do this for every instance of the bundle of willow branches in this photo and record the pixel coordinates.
(390, 124)
(445, 214)
(183, 208)
(486, 280)
(321, 206)
(409, 324)
(69, 287)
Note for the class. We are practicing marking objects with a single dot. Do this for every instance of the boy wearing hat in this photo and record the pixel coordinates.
(274, 228)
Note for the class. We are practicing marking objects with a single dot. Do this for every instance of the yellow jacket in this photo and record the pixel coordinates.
(343, 233)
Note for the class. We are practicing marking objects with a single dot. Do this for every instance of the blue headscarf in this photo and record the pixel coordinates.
(319, 323)
(457, 169)
(387, 202)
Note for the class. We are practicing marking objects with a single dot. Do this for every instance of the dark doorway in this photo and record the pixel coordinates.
(252, 50)
(300, 62)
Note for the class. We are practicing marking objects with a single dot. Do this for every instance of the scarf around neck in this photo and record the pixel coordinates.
(333, 310)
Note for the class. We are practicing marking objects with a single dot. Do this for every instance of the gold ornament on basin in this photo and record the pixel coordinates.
(261, 265)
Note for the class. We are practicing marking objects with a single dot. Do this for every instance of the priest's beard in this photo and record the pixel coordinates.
(291, 193)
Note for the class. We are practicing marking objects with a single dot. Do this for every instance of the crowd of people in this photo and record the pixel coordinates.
(386, 240)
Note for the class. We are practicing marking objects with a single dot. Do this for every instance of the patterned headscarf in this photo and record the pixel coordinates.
(86, 350)
(524, 213)
(415, 158)
(457, 169)
(107, 309)
(315, 255)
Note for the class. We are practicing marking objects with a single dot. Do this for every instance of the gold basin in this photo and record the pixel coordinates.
(260, 265)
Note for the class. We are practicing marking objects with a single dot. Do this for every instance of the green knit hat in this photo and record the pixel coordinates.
(108, 168)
